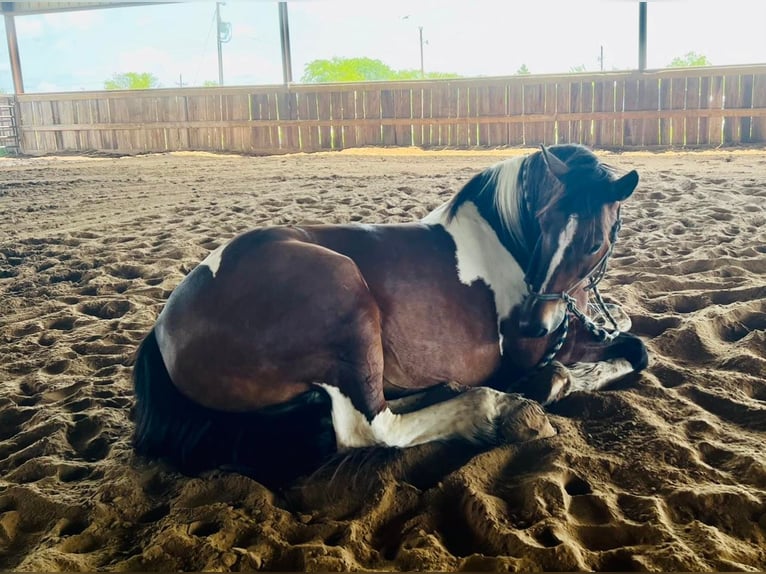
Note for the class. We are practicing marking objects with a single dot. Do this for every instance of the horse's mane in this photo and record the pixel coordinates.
(498, 194)
(512, 194)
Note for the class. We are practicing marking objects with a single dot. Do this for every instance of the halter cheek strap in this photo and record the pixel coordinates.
(595, 275)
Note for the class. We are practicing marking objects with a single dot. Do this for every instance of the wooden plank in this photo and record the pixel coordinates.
(394, 122)
(260, 137)
(336, 115)
(498, 108)
(758, 125)
(665, 104)
(231, 110)
(534, 103)
(462, 133)
(28, 119)
(649, 100)
(170, 109)
(372, 111)
(603, 101)
(403, 110)
(563, 106)
(417, 114)
(631, 127)
(678, 133)
(430, 132)
(439, 107)
(691, 124)
(192, 116)
(575, 105)
(348, 112)
(515, 108)
(746, 92)
(619, 109)
(715, 126)
(214, 112)
(103, 114)
(270, 108)
(482, 110)
(453, 94)
(587, 108)
(287, 109)
(119, 113)
(387, 110)
(732, 100)
(549, 128)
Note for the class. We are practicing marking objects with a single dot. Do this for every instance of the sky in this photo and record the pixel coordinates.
(75, 51)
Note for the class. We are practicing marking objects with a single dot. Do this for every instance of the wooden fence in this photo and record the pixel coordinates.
(687, 107)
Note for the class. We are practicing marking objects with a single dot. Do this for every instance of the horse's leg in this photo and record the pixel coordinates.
(480, 415)
(600, 365)
(590, 366)
(362, 417)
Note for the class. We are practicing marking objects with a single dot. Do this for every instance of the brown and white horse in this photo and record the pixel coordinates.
(289, 343)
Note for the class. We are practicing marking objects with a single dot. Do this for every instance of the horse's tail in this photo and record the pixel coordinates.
(274, 446)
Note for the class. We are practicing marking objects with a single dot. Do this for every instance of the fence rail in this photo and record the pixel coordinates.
(673, 107)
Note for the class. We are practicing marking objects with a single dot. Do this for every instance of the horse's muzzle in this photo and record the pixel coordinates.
(540, 317)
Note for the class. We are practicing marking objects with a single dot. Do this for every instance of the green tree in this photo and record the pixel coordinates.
(523, 71)
(690, 59)
(210, 84)
(359, 70)
(577, 69)
(132, 81)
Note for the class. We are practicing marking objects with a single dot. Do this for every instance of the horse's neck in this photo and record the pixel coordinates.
(481, 255)
(503, 210)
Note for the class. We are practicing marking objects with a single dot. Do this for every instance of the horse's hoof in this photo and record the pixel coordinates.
(520, 420)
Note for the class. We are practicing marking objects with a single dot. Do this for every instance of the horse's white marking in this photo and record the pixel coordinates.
(589, 377)
(213, 260)
(352, 429)
(479, 415)
(565, 240)
(481, 256)
(479, 252)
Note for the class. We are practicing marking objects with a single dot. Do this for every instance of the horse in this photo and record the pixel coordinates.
(288, 344)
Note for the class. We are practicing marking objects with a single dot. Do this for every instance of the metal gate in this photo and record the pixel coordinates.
(9, 127)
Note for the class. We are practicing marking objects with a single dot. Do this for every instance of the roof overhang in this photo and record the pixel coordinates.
(34, 7)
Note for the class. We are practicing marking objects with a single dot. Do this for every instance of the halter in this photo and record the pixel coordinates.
(594, 276)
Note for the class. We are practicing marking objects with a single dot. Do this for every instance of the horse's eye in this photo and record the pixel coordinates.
(595, 248)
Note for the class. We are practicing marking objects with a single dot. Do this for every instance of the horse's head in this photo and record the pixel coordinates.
(576, 201)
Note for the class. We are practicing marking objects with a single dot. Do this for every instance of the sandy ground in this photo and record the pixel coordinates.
(667, 471)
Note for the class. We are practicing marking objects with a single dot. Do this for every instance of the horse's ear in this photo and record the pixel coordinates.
(624, 187)
(557, 167)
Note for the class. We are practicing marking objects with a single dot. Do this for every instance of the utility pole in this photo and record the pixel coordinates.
(642, 36)
(422, 69)
(601, 58)
(220, 44)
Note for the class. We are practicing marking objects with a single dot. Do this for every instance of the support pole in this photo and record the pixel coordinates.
(422, 68)
(13, 53)
(642, 36)
(284, 34)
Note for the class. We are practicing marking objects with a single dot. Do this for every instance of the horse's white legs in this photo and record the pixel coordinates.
(585, 377)
(480, 415)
